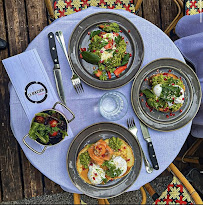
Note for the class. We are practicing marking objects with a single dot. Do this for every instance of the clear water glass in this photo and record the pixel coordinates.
(113, 105)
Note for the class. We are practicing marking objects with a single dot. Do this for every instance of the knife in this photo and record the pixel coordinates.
(151, 151)
(56, 69)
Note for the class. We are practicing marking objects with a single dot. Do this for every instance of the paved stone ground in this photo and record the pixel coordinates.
(133, 197)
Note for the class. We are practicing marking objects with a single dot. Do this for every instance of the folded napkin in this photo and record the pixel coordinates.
(190, 31)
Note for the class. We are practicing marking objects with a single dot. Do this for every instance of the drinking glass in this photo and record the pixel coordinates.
(113, 105)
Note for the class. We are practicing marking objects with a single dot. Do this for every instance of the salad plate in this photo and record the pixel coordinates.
(89, 136)
(85, 34)
(166, 111)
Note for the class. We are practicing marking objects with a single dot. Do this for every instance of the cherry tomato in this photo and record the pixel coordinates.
(39, 119)
(53, 123)
(98, 73)
(53, 134)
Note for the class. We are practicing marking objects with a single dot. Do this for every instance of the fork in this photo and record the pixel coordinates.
(133, 129)
(74, 78)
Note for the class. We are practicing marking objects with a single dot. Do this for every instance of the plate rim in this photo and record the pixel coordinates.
(137, 74)
(92, 125)
(142, 55)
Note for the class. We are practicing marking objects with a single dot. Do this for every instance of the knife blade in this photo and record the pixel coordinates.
(56, 69)
(151, 151)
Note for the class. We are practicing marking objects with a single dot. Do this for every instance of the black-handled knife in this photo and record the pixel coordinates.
(56, 69)
(152, 154)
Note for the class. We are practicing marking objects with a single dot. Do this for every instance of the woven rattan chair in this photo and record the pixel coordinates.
(179, 191)
(179, 187)
(59, 8)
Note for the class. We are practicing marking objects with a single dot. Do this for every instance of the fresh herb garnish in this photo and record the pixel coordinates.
(101, 66)
(169, 92)
(118, 39)
(104, 180)
(102, 44)
(111, 171)
(109, 50)
(94, 33)
(125, 59)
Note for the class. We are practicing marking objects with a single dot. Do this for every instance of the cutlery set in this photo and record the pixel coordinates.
(57, 72)
(74, 78)
(133, 129)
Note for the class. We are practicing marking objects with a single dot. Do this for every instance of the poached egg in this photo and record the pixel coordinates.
(96, 174)
(158, 89)
(120, 163)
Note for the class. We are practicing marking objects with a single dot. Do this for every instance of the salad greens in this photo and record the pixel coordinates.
(107, 50)
(48, 130)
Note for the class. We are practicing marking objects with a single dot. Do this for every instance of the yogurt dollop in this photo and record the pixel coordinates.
(96, 174)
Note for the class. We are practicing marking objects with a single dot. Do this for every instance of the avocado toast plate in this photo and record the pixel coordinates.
(90, 135)
(166, 120)
(80, 39)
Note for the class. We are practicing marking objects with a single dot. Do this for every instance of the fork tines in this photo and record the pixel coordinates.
(131, 122)
(78, 88)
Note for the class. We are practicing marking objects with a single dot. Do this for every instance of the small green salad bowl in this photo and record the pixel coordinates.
(48, 128)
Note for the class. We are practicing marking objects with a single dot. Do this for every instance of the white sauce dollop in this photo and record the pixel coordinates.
(96, 174)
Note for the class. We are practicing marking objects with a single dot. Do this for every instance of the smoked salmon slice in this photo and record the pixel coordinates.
(100, 151)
